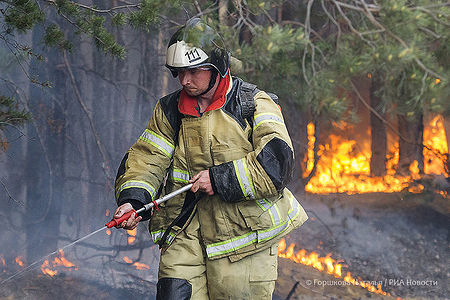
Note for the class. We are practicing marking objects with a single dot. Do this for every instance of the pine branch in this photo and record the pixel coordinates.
(288, 22)
(350, 25)
(403, 43)
(430, 32)
(437, 5)
(243, 17)
(432, 15)
(11, 122)
(110, 10)
(197, 7)
(10, 196)
(96, 10)
(332, 19)
(213, 7)
(10, 45)
(373, 8)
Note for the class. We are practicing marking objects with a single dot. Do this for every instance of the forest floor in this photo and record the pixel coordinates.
(400, 242)
(403, 244)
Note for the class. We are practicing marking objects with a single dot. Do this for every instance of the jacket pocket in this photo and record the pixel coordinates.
(262, 213)
(272, 213)
(264, 268)
(222, 155)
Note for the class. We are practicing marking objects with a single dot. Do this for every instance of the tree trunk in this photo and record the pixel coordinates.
(296, 122)
(410, 144)
(447, 133)
(419, 145)
(223, 11)
(378, 132)
(45, 158)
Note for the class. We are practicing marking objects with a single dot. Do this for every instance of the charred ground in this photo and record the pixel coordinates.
(386, 238)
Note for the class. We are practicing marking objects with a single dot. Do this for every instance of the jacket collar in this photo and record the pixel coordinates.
(187, 105)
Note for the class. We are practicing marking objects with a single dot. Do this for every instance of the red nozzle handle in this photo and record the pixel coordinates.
(115, 222)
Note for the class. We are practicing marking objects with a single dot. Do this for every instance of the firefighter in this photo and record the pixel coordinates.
(219, 240)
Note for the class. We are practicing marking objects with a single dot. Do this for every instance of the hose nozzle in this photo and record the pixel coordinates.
(116, 222)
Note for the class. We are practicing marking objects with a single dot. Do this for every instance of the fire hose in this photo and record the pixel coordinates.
(112, 223)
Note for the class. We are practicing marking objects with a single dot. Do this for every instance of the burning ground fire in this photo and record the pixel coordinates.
(138, 265)
(19, 260)
(344, 165)
(131, 236)
(326, 263)
(48, 267)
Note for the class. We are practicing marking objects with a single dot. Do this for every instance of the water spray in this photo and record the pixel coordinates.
(112, 223)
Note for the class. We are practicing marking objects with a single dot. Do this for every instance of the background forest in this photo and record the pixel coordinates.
(79, 81)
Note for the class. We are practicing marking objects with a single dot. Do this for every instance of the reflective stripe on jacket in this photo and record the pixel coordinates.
(250, 165)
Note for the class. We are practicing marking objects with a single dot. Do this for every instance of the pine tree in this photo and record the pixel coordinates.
(20, 16)
(307, 52)
(314, 51)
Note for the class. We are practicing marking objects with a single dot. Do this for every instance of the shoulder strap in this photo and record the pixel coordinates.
(274, 98)
(247, 94)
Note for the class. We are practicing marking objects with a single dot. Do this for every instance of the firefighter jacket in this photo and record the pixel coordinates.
(249, 161)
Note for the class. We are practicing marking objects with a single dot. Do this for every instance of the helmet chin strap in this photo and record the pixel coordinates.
(212, 81)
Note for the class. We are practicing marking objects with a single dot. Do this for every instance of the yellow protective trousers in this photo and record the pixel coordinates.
(252, 277)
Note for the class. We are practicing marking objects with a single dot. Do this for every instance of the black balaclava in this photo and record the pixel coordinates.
(212, 81)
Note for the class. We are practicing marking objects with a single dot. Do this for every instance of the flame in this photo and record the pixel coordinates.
(434, 138)
(45, 268)
(48, 267)
(326, 264)
(63, 261)
(19, 260)
(344, 165)
(141, 266)
(2, 261)
(132, 236)
(108, 232)
(416, 189)
(310, 155)
(138, 265)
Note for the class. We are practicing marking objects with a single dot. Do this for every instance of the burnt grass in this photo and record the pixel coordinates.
(399, 241)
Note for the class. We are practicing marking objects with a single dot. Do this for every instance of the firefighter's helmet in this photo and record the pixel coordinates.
(195, 45)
